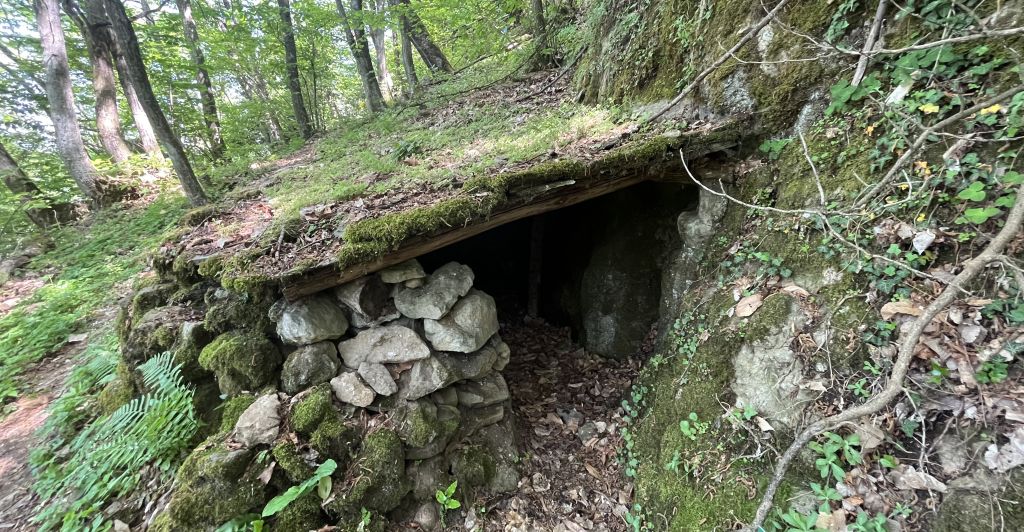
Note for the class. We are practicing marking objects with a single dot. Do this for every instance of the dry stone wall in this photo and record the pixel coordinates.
(396, 376)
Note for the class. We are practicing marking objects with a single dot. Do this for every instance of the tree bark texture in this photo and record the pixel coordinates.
(291, 59)
(408, 63)
(543, 57)
(129, 44)
(108, 119)
(206, 96)
(431, 54)
(379, 37)
(147, 136)
(20, 185)
(356, 38)
(68, 136)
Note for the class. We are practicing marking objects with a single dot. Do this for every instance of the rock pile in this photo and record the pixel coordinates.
(396, 376)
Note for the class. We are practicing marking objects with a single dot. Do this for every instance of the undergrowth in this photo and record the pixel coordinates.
(108, 458)
(92, 261)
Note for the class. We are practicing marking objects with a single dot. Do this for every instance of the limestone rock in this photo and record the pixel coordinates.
(428, 476)
(427, 376)
(486, 392)
(260, 423)
(367, 297)
(407, 271)
(478, 418)
(308, 366)
(471, 322)
(378, 377)
(349, 388)
(312, 319)
(391, 344)
(502, 350)
(445, 396)
(434, 299)
(768, 373)
(500, 441)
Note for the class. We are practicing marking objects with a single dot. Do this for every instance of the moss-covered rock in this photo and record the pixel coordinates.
(241, 360)
(377, 477)
(473, 466)
(232, 408)
(289, 460)
(146, 298)
(214, 485)
(334, 438)
(302, 515)
(228, 310)
(114, 395)
(192, 338)
(155, 332)
(312, 408)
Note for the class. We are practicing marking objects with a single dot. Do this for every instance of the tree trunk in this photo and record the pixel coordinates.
(147, 137)
(68, 136)
(379, 37)
(209, 102)
(408, 63)
(356, 38)
(97, 40)
(129, 45)
(291, 59)
(20, 185)
(431, 54)
(543, 58)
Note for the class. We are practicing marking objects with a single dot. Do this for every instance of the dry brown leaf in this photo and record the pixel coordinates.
(594, 472)
(893, 308)
(748, 305)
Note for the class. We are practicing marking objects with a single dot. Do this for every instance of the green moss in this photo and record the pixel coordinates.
(313, 408)
(239, 310)
(768, 319)
(199, 215)
(214, 485)
(377, 475)
(288, 459)
(539, 174)
(473, 466)
(418, 424)
(115, 394)
(393, 229)
(236, 273)
(302, 515)
(241, 360)
(352, 253)
(334, 438)
(232, 408)
(211, 267)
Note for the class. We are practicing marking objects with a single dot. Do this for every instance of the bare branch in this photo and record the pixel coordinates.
(907, 347)
(876, 27)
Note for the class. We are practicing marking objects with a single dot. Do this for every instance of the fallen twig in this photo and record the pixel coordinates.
(876, 27)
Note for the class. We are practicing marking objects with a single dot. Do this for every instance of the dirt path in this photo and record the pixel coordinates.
(568, 403)
(18, 437)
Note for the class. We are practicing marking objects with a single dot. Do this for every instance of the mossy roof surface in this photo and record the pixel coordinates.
(357, 193)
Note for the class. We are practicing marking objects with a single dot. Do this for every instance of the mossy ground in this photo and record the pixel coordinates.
(241, 360)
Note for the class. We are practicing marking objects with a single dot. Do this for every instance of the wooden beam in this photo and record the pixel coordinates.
(329, 276)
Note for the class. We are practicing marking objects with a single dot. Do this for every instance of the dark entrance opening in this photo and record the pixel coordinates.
(595, 267)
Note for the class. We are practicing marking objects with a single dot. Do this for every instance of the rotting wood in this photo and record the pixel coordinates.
(318, 278)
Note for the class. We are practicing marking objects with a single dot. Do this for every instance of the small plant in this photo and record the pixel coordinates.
(829, 463)
(692, 426)
(859, 388)
(798, 522)
(634, 517)
(365, 517)
(992, 372)
(321, 480)
(447, 500)
(866, 523)
(825, 494)
(774, 147)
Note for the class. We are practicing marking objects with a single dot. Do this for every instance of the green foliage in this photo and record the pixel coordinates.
(839, 23)
(91, 262)
(691, 427)
(774, 147)
(833, 452)
(105, 459)
(447, 501)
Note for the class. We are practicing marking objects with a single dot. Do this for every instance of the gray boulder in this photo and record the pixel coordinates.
(350, 389)
(409, 270)
(486, 392)
(434, 299)
(391, 344)
(477, 418)
(309, 320)
(308, 366)
(367, 297)
(448, 418)
(502, 352)
(260, 423)
(427, 376)
(378, 377)
(471, 322)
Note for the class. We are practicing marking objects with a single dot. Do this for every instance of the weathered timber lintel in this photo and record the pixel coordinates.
(330, 275)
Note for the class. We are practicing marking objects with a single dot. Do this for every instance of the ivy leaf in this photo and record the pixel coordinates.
(1013, 178)
(1006, 201)
(974, 192)
(980, 215)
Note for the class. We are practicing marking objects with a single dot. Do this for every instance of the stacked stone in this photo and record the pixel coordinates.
(429, 341)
